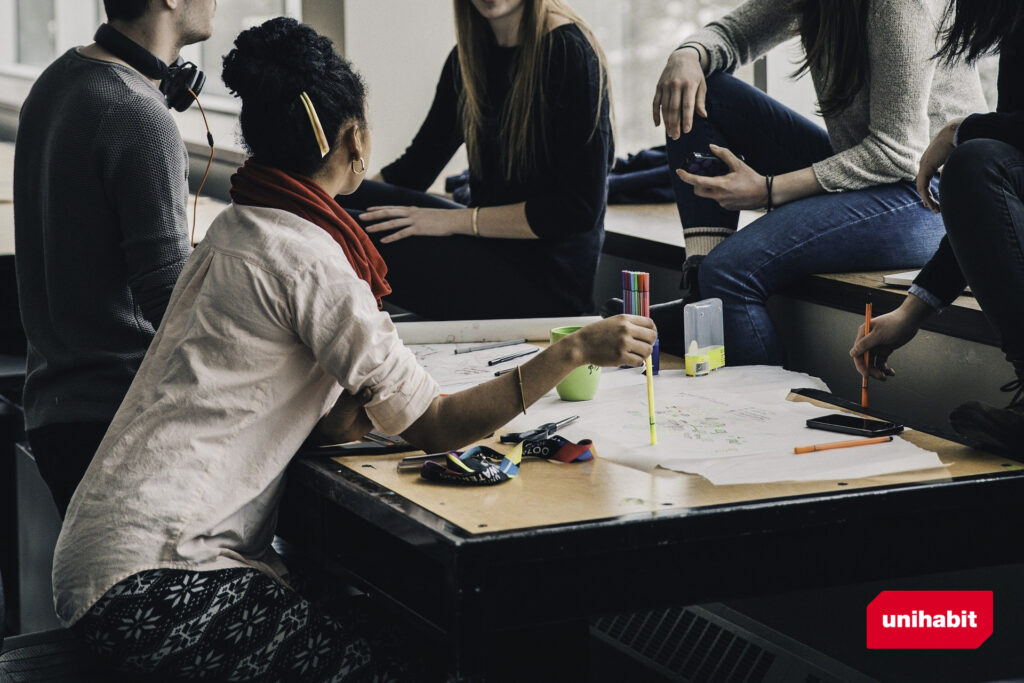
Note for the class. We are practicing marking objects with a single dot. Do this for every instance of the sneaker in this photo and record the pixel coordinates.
(690, 283)
(999, 430)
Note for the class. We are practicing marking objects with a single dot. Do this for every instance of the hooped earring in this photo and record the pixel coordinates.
(362, 166)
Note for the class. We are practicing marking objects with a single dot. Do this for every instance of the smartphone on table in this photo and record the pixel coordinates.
(851, 424)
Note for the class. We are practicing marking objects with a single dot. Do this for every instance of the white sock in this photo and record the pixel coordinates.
(699, 241)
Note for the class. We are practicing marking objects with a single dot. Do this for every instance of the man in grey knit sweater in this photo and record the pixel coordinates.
(101, 233)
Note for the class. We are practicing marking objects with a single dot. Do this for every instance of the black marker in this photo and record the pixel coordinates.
(505, 359)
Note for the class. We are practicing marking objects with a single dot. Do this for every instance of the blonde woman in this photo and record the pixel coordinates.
(526, 91)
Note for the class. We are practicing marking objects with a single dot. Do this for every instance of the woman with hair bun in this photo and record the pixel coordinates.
(526, 91)
(164, 564)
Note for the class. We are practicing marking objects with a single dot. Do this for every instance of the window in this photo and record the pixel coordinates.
(232, 18)
(637, 38)
(35, 32)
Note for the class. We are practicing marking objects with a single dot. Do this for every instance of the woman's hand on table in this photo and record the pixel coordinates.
(739, 189)
(414, 221)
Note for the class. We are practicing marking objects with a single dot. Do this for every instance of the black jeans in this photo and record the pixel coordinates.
(465, 278)
(63, 453)
(982, 185)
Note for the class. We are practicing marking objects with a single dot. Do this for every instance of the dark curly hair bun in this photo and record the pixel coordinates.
(268, 68)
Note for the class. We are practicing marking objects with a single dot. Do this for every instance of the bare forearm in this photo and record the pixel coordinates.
(502, 222)
(453, 421)
(915, 310)
(789, 187)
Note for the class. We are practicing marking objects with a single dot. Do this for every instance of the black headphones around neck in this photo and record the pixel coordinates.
(175, 79)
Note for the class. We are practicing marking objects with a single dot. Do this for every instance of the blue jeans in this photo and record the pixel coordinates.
(877, 228)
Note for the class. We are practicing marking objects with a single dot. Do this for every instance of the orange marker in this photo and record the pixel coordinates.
(842, 444)
(867, 355)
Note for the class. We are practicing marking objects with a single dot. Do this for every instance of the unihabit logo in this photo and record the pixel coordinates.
(919, 619)
(929, 619)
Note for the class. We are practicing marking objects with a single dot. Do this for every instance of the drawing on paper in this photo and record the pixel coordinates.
(692, 423)
(455, 372)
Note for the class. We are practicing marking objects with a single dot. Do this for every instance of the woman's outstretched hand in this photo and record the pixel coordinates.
(741, 188)
(888, 333)
(414, 221)
(619, 340)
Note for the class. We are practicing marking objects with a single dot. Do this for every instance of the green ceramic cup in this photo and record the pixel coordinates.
(581, 383)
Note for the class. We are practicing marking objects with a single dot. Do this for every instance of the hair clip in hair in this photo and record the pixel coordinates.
(318, 130)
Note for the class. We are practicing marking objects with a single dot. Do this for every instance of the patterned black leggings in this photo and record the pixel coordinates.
(231, 625)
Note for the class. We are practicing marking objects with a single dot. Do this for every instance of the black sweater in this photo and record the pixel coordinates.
(565, 195)
(100, 190)
(942, 277)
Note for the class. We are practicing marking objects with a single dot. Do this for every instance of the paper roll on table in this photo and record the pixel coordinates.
(464, 331)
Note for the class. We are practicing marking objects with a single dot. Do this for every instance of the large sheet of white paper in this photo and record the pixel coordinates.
(455, 372)
(458, 331)
(734, 426)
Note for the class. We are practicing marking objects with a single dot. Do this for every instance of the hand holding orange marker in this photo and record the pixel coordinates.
(841, 444)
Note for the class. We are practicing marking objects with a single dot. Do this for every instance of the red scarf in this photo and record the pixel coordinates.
(258, 185)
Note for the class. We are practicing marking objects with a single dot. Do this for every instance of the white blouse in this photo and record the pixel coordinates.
(267, 324)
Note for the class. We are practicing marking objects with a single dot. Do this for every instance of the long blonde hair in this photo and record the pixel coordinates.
(525, 105)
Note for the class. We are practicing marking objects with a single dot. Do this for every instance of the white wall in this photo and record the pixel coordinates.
(399, 47)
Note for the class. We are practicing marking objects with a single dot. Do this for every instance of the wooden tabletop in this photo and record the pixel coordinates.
(873, 280)
(547, 492)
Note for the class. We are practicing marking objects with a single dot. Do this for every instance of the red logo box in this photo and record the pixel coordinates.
(929, 620)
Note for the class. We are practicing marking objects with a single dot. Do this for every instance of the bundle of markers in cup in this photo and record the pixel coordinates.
(636, 300)
(636, 293)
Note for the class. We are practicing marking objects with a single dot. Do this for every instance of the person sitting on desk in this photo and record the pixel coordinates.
(526, 89)
(981, 189)
(274, 329)
(837, 200)
(100, 193)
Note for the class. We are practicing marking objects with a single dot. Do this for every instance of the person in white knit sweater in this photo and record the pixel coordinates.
(841, 199)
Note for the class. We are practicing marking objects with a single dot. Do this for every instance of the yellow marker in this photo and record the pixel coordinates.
(650, 399)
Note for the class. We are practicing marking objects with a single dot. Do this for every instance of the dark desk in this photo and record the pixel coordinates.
(519, 567)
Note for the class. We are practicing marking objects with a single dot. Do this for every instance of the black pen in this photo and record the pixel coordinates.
(416, 461)
(542, 432)
(499, 373)
(505, 359)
